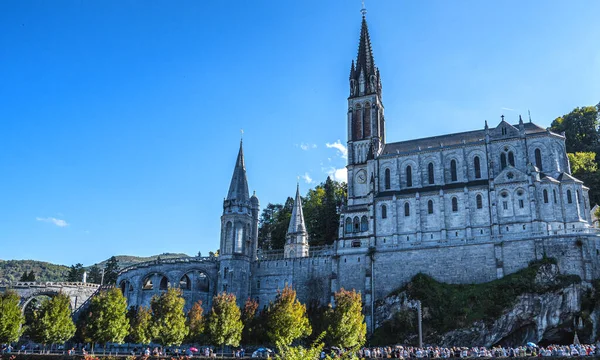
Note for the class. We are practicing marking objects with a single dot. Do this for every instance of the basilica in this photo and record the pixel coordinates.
(467, 207)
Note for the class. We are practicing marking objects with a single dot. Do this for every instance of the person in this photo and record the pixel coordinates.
(147, 352)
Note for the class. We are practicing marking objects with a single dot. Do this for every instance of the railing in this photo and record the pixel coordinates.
(45, 284)
(313, 251)
(205, 259)
(86, 303)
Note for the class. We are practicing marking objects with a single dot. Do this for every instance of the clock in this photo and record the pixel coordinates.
(361, 177)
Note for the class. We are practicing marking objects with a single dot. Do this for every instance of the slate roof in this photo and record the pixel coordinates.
(297, 221)
(238, 189)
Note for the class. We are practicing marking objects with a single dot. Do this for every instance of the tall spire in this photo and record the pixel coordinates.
(238, 190)
(364, 75)
(297, 221)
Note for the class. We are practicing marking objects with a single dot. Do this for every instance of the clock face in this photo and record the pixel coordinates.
(361, 177)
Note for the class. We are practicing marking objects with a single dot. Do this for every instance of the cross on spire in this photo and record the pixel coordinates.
(363, 10)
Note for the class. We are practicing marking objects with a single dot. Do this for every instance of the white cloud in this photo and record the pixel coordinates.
(508, 109)
(52, 220)
(307, 179)
(306, 146)
(338, 174)
(340, 147)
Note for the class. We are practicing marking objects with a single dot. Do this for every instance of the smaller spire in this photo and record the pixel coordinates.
(238, 189)
(297, 221)
(520, 120)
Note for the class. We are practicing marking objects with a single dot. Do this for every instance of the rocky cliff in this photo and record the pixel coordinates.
(555, 307)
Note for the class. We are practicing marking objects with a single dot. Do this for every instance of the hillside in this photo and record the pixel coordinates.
(11, 270)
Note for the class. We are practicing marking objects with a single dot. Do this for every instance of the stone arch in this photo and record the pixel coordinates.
(43, 292)
(185, 283)
(348, 225)
(409, 171)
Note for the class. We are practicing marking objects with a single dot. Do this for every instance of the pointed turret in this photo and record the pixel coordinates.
(297, 220)
(238, 190)
(296, 244)
(364, 75)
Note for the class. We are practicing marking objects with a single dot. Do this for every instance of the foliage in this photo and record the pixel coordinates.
(347, 327)
(111, 271)
(195, 323)
(250, 322)
(52, 322)
(582, 162)
(107, 320)
(140, 319)
(224, 322)
(168, 319)
(12, 270)
(94, 275)
(76, 273)
(11, 317)
(301, 353)
(286, 319)
(28, 276)
(320, 213)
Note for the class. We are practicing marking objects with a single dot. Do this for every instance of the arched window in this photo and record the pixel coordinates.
(569, 197)
(453, 175)
(356, 224)
(406, 209)
(258, 284)
(364, 224)
(123, 287)
(545, 196)
(454, 204)
(185, 283)
(383, 212)
(430, 174)
(538, 159)
(430, 207)
(502, 161)
(408, 176)
(164, 283)
(477, 167)
(348, 225)
(367, 121)
(578, 197)
(357, 123)
(479, 201)
(228, 238)
(203, 283)
(147, 283)
(511, 158)
(387, 179)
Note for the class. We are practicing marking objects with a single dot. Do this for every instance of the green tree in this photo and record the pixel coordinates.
(75, 273)
(94, 275)
(286, 319)
(168, 319)
(31, 276)
(24, 277)
(581, 129)
(11, 317)
(582, 162)
(313, 352)
(140, 321)
(108, 317)
(249, 321)
(53, 323)
(321, 211)
(224, 321)
(111, 271)
(347, 327)
(196, 323)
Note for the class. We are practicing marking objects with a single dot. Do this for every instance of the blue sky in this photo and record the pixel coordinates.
(120, 120)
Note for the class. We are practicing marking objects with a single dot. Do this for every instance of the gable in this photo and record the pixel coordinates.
(510, 175)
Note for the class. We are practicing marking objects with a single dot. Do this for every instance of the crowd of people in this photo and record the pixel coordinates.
(404, 352)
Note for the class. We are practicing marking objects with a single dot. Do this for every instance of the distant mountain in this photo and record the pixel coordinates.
(11, 270)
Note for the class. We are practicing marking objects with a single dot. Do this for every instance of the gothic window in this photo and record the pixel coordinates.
(453, 175)
(357, 123)
(430, 174)
(554, 193)
(502, 161)
(538, 159)
(454, 204)
(408, 176)
(569, 197)
(477, 167)
(147, 283)
(545, 196)
(387, 179)
(383, 212)
(511, 158)
(406, 209)
(367, 121)
(258, 284)
(578, 197)
(164, 283)
(479, 201)
(348, 225)
(225, 271)
(228, 238)
(364, 224)
(239, 237)
(123, 287)
(185, 283)
(430, 207)
(356, 224)
(521, 203)
(505, 205)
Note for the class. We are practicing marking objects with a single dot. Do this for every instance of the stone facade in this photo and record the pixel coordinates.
(464, 208)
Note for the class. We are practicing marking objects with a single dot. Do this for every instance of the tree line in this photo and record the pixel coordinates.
(283, 323)
(582, 137)
(320, 208)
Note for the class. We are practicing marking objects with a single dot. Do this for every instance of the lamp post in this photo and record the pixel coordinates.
(420, 322)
